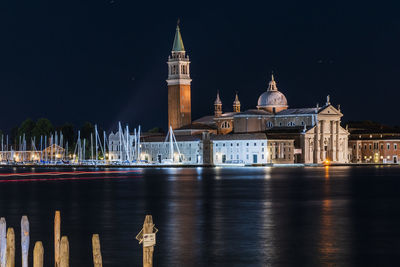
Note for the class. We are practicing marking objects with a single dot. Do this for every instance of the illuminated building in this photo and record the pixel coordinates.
(179, 99)
(315, 132)
(376, 144)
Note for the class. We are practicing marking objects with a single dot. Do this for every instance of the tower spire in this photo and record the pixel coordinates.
(178, 43)
(236, 104)
(217, 106)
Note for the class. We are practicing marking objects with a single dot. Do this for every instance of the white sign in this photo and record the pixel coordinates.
(149, 240)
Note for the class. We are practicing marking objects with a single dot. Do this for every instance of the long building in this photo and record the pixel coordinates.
(374, 143)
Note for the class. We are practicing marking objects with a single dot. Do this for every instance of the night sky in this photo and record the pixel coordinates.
(105, 60)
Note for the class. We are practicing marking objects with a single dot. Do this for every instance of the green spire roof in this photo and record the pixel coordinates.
(178, 43)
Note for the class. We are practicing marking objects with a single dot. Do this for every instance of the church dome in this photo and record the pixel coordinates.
(272, 100)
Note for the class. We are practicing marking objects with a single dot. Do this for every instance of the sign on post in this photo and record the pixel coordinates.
(149, 240)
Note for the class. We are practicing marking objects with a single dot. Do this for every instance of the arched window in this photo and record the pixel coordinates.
(291, 123)
(270, 124)
(225, 125)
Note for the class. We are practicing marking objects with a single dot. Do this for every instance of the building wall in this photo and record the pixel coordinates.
(281, 151)
(225, 125)
(375, 151)
(117, 150)
(281, 121)
(240, 151)
(244, 124)
(156, 152)
(179, 105)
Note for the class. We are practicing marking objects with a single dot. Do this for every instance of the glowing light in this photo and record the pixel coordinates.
(65, 173)
(66, 179)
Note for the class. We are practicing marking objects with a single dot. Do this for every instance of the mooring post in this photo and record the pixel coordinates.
(64, 252)
(24, 240)
(147, 237)
(38, 254)
(97, 260)
(3, 242)
(10, 261)
(57, 234)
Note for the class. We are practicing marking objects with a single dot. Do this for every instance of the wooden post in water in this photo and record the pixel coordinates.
(3, 242)
(64, 252)
(24, 240)
(57, 234)
(10, 254)
(38, 254)
(97, 260)
(147, 236)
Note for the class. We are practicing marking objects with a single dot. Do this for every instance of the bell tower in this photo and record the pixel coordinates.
(179, 100)
(217, 106)
(236, 104)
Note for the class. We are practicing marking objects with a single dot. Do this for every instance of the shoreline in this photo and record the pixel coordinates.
(153, 166)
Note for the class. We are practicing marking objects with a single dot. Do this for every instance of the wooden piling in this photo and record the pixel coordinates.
(38, 254)
(57, 234)
(10, 254)
(148, 250)
(64, 252)
(24, 240)
(3, 242)
(97, 260)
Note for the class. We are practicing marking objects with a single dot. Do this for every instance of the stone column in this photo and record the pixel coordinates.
(337, 140)
(332, 144)
(316, 145)
(322, 140)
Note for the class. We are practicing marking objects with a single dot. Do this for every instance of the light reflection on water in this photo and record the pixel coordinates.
(221, 216)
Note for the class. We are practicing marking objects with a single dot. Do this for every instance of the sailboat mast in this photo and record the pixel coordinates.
(127, 144)
(171, 145)
(120, 141)
(138, 143)
(95, 137)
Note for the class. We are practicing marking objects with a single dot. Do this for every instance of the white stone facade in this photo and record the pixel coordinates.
(327, 140)
(117, 150)
(157, 152)
(239, 149)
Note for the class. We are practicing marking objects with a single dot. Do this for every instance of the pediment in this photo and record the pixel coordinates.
(329, 110)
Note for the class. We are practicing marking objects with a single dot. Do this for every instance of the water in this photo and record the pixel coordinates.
(216, 217)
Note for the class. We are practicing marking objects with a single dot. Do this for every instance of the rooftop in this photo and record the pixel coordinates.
(245, 136)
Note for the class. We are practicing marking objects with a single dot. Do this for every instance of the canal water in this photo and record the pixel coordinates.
(309, 216)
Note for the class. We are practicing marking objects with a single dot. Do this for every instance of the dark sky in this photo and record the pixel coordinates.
(105, 60)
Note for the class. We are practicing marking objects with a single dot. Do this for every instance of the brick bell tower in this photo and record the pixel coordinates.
(179, 103)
